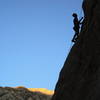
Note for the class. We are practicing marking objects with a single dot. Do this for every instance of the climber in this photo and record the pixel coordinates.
(76, 26)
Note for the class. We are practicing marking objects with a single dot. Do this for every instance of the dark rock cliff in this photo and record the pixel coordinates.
(79, 78)
(8, 93)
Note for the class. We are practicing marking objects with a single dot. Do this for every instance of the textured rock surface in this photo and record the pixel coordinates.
(7, 93)
(79, 78)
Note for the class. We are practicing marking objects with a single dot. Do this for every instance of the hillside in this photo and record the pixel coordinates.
(22, 93)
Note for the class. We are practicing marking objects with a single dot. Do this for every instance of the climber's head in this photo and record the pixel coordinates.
(74, 15)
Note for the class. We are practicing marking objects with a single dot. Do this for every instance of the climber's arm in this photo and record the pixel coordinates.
(80, 20)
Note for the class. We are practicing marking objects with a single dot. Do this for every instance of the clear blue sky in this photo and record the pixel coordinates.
(35, 37)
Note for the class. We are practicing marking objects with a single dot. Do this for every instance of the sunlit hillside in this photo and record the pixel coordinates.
(42, 90)
(23, 93)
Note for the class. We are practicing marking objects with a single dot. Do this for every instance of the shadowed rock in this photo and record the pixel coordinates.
(79, 78)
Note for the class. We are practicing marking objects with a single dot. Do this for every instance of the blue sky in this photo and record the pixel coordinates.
(35, 38)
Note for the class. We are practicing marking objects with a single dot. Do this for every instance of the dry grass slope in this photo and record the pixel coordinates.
(22, 93)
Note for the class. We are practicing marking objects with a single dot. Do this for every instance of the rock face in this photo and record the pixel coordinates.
(8, 93)
(79, 78)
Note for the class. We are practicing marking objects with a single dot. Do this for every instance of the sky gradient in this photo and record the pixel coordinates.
(35, 38)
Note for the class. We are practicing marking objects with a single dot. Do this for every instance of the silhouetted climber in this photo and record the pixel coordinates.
(76, 26)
